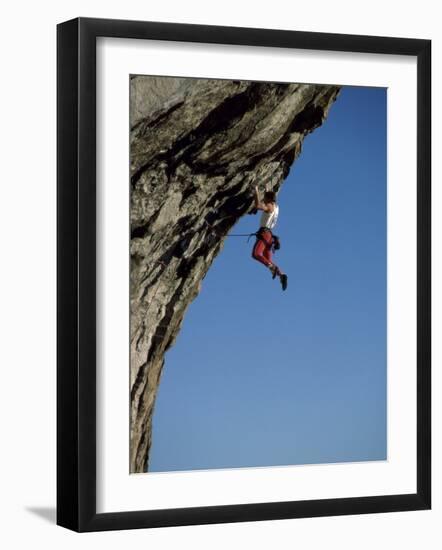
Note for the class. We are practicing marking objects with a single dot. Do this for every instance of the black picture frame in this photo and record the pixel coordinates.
(76, 273)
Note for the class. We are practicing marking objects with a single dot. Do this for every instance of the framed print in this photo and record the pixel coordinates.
(243, 274)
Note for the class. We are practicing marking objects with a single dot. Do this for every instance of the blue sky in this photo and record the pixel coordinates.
(261, 377)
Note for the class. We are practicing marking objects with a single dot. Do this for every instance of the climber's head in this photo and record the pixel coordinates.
(269, 196)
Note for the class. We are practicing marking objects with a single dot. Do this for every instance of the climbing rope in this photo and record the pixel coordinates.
(248, 235)
(241, 235)
(213, 230)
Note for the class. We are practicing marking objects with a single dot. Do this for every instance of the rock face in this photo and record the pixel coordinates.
(198, 147)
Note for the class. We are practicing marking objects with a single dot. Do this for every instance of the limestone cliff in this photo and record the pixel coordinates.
(197, 149)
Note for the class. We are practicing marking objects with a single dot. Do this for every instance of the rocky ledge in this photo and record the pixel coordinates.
(198, 147)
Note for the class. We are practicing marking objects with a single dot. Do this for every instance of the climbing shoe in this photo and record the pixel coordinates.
(274, 271)
(283, 278)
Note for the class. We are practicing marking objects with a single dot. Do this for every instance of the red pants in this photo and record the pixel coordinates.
(262, 251)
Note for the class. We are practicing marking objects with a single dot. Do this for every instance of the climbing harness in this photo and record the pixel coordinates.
(276, 242)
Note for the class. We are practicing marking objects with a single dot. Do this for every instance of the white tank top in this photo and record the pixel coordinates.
(268, 219)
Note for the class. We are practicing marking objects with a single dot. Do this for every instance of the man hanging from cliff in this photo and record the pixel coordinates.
(265, 240)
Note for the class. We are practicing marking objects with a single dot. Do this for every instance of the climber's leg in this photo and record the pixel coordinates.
(267, 253)
(261, 250)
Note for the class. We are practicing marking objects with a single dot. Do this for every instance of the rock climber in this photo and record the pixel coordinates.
(266, 241)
